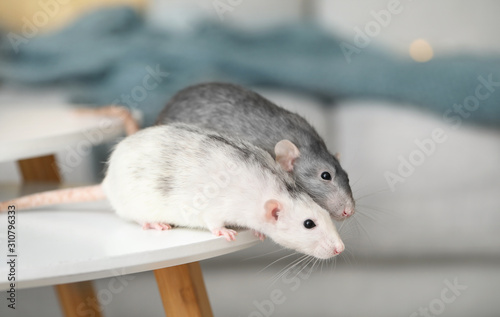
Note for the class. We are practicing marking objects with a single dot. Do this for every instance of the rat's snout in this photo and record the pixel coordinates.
(348, 211)
(338, 248)
(340, 206)
(343, 212)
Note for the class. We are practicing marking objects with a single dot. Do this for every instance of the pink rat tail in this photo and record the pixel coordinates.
(61, 196)
(131, 125)
(79, 194)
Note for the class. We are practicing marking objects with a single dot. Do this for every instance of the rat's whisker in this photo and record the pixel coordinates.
(304, 265)
(299, 263)
(393, 215)
(308, 262)
(267, 253)
(365, 231)
(385, 220)
(368, 215)
(344, 256)
(342, 225)
(358, 190)
(348, 254)
(346, 221)
(387, 212)
(314, 264)
(275, 261)
(278, 275)
(369, 195)
(334, 263)
(356, 181)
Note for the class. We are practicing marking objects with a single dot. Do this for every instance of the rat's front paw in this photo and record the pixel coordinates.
(259, 235)
(228, 233)
(156, 225)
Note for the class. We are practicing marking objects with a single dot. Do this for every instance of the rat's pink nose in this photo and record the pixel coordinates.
(347, 212)
(338, 249)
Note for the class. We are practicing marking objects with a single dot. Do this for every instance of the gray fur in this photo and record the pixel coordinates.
(248, 154)
(165, 184)
(238, 112)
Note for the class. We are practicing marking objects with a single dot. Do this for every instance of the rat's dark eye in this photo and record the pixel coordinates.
(326, 176)
(309, 224)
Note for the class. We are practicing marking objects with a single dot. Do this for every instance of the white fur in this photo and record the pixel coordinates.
(168, 174)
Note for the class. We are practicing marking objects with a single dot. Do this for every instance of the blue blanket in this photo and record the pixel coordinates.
(113, 55)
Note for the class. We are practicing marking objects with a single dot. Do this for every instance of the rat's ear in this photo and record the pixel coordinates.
(337, 156)
(273, 209)
(286, 154)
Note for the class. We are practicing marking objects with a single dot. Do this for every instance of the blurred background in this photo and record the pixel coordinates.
(408, 92)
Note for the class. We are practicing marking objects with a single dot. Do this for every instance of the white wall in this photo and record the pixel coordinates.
(448, 25)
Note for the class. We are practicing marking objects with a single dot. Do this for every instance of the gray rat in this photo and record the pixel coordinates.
(236, 111)
(186, 176)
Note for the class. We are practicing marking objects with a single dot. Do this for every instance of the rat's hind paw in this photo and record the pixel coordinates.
(228, 233)
(156, 225)
(259, 235)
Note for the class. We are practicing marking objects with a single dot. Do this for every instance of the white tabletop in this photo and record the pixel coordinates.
(31, 130)
(74, 243)
(77, 243)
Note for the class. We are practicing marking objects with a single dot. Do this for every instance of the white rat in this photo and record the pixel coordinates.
(186, 176)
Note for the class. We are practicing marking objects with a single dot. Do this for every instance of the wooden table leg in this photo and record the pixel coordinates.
(183, 291)
(39, 169)
(76, 299)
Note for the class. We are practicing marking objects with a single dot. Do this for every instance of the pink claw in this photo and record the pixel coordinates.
(259, 235)
(156, 225)
(228, 233)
